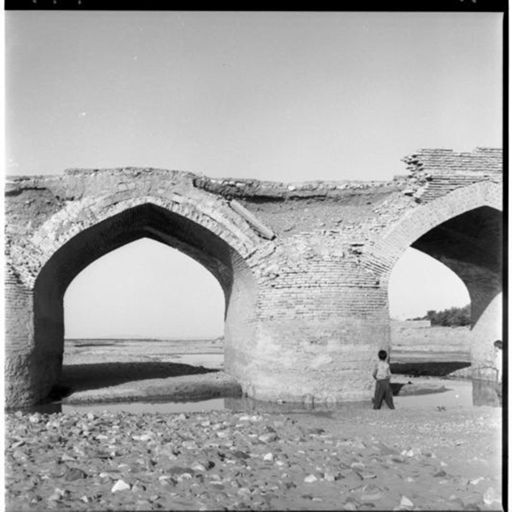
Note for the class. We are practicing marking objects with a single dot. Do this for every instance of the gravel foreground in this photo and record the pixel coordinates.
(340, 459)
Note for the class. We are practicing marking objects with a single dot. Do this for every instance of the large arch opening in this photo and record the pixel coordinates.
(470, 245)
(140, 312)
(144, 221)
(430, 308)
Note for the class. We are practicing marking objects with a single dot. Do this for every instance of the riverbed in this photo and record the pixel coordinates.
(435, 451)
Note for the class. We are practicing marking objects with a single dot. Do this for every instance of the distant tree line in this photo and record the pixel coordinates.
(451, 317)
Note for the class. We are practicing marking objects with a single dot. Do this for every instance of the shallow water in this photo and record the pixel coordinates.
(436, 393)
(458, 393)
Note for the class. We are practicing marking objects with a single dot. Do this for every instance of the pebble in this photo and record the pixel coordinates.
(406, 502)
(268, 437)
(57, 495)
(198, 467)
(120, 485)
(310, 479)
(371, 492)
(72, 474)
(491, 496)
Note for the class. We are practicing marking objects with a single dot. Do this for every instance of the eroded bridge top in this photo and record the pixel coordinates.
(343, 218)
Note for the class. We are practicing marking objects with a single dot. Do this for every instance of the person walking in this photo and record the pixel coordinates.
(382, 376)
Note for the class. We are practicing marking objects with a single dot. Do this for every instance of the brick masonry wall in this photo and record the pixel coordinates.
(304, 266)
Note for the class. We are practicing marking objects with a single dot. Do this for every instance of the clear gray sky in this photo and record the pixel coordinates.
(282, 96)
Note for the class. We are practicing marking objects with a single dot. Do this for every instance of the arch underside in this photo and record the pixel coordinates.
(150, 221)
(470, 244)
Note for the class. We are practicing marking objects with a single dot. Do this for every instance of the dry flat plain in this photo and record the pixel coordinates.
(421, 456)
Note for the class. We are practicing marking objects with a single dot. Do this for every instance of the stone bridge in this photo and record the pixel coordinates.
(304, 267)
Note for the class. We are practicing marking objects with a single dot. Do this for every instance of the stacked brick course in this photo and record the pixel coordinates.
(304, 266)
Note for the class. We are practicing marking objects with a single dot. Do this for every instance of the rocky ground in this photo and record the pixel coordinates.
(343, 459)
(427, 457)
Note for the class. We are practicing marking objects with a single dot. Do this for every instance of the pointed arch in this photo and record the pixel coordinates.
(144, 219)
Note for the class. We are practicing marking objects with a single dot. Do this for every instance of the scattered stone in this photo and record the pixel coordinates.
(406, 502)
(350, 504)
(472, 506)
(268, 437)
(72, 474)
(169, 462)
(179, 470)
(491, 496)
(386, 450)
(57, 495)
(120, 485)
(371, 492)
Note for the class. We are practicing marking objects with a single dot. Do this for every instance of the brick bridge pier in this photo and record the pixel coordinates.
(304, 266)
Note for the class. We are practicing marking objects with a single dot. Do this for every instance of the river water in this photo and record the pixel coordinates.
(426, 392)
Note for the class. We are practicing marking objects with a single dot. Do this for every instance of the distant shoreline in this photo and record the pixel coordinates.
(127, 338)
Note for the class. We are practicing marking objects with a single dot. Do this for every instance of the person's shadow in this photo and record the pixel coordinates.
(396, 387)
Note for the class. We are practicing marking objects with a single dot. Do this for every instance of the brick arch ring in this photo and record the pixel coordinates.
(220, 219)
(400, 235)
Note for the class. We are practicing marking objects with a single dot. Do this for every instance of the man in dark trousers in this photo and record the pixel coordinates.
(382, 375)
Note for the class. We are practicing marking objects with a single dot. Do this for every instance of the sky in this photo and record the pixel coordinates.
(279, 96)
